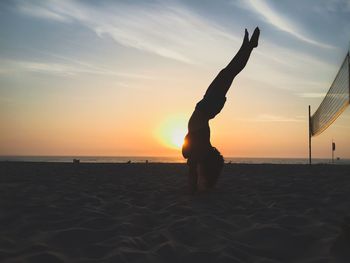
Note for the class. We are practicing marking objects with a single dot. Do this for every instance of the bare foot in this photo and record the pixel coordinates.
(246, 37)
(255, 38)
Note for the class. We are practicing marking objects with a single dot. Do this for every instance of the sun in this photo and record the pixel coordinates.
(176, 137)
(172, 131)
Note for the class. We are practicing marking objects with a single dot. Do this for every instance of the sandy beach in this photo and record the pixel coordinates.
(60, 212)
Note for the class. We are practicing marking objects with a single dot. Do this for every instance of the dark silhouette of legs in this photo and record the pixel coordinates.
(223, 80)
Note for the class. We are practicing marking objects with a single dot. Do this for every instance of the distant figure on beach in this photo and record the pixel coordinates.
(205, 161)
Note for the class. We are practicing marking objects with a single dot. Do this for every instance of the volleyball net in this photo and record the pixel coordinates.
(335, 101)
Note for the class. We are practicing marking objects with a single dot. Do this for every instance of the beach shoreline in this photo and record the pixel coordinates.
(167, 159)
(138, 212)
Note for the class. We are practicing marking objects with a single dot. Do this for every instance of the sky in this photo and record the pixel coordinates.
(121, 78)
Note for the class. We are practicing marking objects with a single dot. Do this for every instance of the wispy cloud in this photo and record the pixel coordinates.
(42, 12)
(332, 6)
(282, 23)
(168, 30)
(276, 118)
(65, 69)
(51, 68)
(312, 95)
(172, 31)
(265, 117)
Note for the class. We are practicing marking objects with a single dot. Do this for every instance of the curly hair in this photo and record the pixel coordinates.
(212, 167)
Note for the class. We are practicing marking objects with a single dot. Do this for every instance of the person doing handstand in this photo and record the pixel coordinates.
(205, 161)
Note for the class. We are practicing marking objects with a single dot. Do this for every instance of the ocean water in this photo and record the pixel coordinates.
(152, 159)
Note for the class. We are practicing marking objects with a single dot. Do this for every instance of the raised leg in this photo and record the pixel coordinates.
(223, 80)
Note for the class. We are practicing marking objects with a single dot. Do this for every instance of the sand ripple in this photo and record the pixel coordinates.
(141, 213)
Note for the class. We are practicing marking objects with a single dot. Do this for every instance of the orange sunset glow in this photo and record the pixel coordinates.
(172, 131)
(123, 80)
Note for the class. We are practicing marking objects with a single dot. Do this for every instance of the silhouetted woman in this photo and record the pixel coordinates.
(205, 161)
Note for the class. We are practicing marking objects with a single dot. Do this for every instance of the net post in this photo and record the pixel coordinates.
(349, 71)
(333, 148)
(310, 135)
